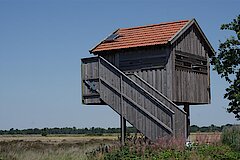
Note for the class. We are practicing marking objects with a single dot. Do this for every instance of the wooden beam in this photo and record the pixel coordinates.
(122, 119)
(123, 129)
(186, 109)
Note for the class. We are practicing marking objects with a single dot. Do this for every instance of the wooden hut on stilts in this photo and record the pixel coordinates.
(144, 73)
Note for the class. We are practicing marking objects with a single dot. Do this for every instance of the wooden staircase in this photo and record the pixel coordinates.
(152, 113)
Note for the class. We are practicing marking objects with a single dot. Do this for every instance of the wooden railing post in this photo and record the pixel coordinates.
(122, 119)
(99, 74)
(173, 125)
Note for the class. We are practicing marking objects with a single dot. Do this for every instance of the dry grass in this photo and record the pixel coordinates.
(50, 148)
(56, 138)
(206, 137)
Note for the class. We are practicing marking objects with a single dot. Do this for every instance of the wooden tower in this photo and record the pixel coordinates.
(144, 73)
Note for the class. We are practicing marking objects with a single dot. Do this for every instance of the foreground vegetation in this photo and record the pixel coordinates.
(74, 147)
(227, 148)
(50, 150)
(201, 152)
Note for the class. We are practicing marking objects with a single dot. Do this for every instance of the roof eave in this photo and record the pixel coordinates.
(118, 49)
(185, 28)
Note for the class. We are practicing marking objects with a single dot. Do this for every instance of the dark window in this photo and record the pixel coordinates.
(111, 38)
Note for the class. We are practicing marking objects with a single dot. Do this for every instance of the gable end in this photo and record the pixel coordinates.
(199, 33)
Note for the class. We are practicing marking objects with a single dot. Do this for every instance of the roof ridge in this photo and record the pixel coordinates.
(152, 25)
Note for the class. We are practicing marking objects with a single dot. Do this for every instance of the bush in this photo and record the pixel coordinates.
(44, 134)
(231, 137)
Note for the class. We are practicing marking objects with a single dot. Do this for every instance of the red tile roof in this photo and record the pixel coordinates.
(142, 36)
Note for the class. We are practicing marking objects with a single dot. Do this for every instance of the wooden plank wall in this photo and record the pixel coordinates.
(188, 86)
(191, 42)
(143, 59)
(89, 72)
(158, 74)
(191, 87)
(155, 77)
(180, 116)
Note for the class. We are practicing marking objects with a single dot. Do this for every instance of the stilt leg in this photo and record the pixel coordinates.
(123, 130)
(186, 109)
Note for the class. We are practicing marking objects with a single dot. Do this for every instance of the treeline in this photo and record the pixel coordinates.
(211, 128)
(98, 131)
(66, 130)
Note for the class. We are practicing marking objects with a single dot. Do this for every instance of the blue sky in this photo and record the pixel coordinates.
(42, 42)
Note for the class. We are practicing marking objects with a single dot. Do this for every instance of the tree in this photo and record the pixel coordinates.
(194, 128)
(227, 63)
(44, 132)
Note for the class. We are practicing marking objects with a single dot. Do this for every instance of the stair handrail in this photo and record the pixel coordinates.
(149, 94)
(157, 91)
(138, 106)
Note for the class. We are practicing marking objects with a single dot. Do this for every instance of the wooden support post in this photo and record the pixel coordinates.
(123, 129)
(186, 109)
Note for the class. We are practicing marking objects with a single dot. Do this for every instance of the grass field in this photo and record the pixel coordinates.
(56, 147)
(206, 137)
(66, 147)
(57, 138)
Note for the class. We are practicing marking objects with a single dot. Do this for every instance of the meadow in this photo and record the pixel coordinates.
(54, 147)
(106, 146)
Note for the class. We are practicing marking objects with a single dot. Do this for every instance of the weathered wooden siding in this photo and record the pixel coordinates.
(189, 85)
(90, 74)
(153, 64)
(143, 59)
(160, 77)
(179, 116)
(192, 42)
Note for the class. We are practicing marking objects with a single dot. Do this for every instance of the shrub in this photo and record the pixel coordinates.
(231, 136)
(44, 134)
